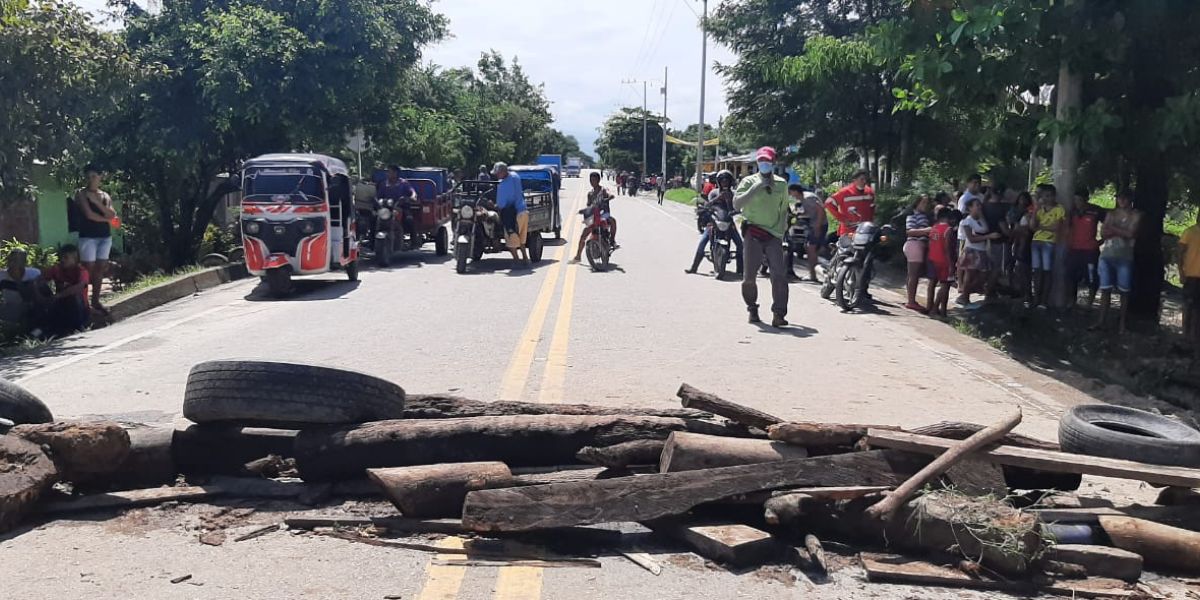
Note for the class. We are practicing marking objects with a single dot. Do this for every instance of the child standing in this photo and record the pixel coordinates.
(943, 246)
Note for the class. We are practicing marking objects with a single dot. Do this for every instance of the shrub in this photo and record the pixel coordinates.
(40, 257)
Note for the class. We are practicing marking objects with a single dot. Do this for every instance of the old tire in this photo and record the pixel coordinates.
(1130, 434)
(20, 406)
(286, 395)
(279, 282)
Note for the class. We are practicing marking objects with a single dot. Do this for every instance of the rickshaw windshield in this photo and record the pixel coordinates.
(283, 184)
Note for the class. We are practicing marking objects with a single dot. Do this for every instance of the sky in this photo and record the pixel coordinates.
(582, 50)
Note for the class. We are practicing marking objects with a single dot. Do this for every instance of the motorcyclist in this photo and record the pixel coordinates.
(721, 196)
(599, 198)
(395, 188)
(484, 173)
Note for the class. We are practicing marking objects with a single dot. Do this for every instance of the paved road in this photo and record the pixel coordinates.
(554, 333)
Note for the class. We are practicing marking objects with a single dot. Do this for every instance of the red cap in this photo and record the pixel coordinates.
(766, 153)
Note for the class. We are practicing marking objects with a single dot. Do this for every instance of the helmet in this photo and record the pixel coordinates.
(725, 173)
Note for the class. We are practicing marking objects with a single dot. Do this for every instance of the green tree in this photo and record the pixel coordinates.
(57, 69)
(620, 142)
(229, 81)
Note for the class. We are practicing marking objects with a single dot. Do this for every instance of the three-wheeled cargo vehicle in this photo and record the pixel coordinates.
(297, 218)
(540, 179)
(478, 230)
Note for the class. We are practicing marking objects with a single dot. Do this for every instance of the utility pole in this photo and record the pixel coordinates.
(645, 110)
(703, 75)
(664, 126)
(717, 146)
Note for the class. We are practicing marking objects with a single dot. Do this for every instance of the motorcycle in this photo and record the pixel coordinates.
(719, 224)
(599, 246)
(854, 256)
(388, 230)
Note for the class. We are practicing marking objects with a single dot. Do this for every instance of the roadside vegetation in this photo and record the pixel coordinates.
(681, 195)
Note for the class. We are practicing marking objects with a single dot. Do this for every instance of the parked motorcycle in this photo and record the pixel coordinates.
(720, 226)
(599, 246)
(850, 270)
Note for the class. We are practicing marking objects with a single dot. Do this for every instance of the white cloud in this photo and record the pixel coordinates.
(583, 50)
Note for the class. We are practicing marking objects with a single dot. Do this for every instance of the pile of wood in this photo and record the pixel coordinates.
(734, 484)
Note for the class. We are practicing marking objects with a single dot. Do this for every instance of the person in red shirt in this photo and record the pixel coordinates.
(853, 204)
(709, 185)
(68, 311)
(1083, 250)
(943, 250)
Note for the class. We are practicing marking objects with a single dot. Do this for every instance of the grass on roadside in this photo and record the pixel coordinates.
(682, 195)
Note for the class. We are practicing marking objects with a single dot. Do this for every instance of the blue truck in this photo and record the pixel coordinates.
(552, 160)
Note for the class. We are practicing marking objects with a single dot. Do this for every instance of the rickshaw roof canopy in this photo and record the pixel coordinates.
(333, 166)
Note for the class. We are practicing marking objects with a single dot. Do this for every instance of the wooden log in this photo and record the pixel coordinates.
(821, 434)
(891, 568)
(648, 497)
(1016, 478)
(1183, 517)
(149, 462)
(438, 490)
(1159, 545)
(226, 449)
(1045, 460)
(729, 543)
(850, 492)
(25, 474)
(1099, 560)
(957, 430)
(956, 453)
(518, 441)
(132, 499)
(996, 535)
(83, 451)
(620, 456)
(786, 509)
(694, 398)
(816, 553)
(561, 474)
(1178, 496)
(686, 451)
(445, 406)
(977, 478)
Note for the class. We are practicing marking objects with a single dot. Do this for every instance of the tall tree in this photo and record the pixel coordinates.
(231, 80)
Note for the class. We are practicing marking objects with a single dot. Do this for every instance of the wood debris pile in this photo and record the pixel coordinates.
(950, 504)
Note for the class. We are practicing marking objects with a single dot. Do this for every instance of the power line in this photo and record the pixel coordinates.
(645, 36)
(688, 4)
(661, 34)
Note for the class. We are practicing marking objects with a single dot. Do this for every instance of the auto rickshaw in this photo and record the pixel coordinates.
(297, 218)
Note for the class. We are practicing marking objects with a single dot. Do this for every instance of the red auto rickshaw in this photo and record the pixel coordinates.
(297, 218)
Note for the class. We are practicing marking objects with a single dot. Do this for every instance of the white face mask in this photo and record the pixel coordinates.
(765, 167)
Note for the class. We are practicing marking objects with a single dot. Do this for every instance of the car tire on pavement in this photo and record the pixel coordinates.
(1130, 434)
(286, 395)
(20, 406)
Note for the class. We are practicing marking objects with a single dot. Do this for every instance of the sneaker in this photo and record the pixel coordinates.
(754, 318)
(778, 321)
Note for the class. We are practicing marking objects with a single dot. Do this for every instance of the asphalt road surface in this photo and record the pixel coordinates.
(557, 332)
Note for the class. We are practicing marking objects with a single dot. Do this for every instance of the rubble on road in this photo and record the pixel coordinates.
(968, 505)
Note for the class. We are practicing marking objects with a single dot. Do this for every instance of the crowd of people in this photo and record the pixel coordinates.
(630, 183)
(992, 241)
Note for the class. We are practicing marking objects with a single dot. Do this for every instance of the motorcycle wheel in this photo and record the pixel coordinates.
(848, 290)
(830, 280)
(720, 258)
(605, 252)
(383, 251)
(460, 257)
(441, 242)
(592, 249)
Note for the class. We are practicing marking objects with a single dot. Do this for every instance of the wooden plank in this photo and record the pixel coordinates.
(816, 553)
(619, 456)
(729, 543)
(891, 568)
(133, 499)
(1099, 560)
(1185, 517)
(1045, 460)
(811, 434)
(438, 490)
(752, 417)
(653, 496)
(847, 492)
(644, 561)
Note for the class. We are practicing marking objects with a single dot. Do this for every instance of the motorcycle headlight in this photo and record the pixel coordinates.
(251, 227)
(723, 225)
(307, 227)
(389, 202)
(467, 212)
(384, 213)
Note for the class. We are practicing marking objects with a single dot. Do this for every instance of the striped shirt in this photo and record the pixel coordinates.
(917, 220)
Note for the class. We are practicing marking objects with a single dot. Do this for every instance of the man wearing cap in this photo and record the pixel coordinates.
(763, 200)
(510, 201)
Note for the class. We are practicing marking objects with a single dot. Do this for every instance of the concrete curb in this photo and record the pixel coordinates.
(174, 290)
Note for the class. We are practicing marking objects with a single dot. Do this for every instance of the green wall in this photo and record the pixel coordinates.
(52, 211)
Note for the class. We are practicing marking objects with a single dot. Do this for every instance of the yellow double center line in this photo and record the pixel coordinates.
(512, 386)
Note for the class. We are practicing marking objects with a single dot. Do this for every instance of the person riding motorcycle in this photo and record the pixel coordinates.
(394, 188)
(721, 196)
(597, 197)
